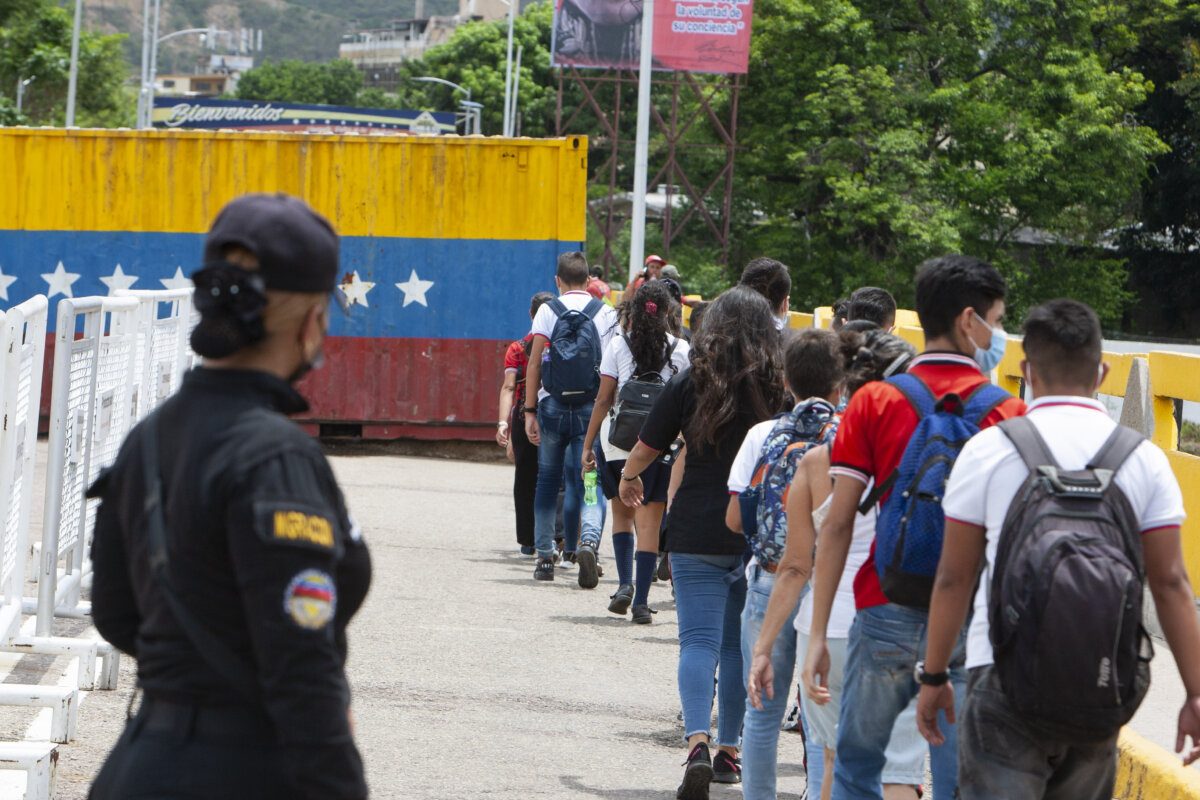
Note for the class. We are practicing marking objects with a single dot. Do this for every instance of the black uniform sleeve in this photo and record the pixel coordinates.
(285, 540)
(665, 420)
(114, 604)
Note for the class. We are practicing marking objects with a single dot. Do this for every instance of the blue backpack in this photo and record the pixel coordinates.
(908, 532)
(763, 504)
(571, 368)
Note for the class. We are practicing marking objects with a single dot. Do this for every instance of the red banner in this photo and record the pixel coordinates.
(689, 35)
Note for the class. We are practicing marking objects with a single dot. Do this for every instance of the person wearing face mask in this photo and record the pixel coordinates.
(960, 303)
(225, 560)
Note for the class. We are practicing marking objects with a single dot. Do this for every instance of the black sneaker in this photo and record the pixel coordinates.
(727, 768)
(663, 573)
(641, 614)
(586, 559)
(697, 775)
(622, 599)
(544, 571)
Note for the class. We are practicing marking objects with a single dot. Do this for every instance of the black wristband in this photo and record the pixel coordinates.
(531, 410)
(930, 678)
(632, 478)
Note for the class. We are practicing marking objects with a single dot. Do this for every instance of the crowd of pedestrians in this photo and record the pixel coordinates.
(958, 575)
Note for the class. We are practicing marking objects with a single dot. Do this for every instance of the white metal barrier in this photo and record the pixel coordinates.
(90, 413)
(164, 323)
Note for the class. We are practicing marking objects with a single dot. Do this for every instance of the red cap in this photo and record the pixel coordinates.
(652, 258)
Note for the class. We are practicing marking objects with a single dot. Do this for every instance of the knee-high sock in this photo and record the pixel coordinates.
(646, 564)
(623, 550)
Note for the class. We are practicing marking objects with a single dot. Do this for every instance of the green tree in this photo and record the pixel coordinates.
(881, 133)
(335, 83)
(35, 43)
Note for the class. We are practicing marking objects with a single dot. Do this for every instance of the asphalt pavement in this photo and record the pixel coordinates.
(469, 678)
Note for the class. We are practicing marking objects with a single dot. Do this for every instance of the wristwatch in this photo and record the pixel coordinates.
(929, 678)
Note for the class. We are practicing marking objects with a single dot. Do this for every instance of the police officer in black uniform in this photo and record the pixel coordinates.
(225, 560)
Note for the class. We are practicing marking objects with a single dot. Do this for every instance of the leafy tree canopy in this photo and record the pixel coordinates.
(35, 43)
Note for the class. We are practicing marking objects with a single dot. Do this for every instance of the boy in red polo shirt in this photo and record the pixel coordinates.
(960, 302)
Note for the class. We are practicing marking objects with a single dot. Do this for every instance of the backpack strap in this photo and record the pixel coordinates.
(593, 308)
(557, 306)
(982, 401)
(921, 398)
(1029, 443)
(1118, 447)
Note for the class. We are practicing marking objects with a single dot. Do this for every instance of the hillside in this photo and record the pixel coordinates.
(305, 29)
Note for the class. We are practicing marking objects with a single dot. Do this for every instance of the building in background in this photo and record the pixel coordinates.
(193, 85)
(378, 52)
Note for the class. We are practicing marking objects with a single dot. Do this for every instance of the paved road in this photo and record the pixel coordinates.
(469, 678)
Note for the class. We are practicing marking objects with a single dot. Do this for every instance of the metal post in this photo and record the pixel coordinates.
(508, 69)
(153, 67)
(141, 105)
(516, 80)
(637, 242)
(73, 80)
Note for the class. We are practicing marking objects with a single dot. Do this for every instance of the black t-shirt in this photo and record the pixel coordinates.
(697, 520)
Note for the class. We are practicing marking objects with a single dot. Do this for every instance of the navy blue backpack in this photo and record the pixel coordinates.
(571, 370)
(908, 532)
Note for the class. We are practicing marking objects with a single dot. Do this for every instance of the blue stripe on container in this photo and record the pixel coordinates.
(481, 290)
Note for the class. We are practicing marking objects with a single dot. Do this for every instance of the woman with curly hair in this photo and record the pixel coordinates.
(650, 353)
(735, 381)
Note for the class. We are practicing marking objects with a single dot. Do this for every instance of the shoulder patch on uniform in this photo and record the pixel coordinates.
(281, 522)
(310, 599)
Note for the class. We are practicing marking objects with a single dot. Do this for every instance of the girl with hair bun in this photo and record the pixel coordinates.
(869, 355)
(647, 351)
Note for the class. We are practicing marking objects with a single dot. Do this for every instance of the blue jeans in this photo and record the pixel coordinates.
(563, 429)
(760, 737)
(886, 642)
(593, 517)
(710, 592)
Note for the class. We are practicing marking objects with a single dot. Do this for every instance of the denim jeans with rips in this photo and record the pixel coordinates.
(563, 429)
(886, 642)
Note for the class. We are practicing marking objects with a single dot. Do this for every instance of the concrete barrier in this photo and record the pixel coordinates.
(1146, 771)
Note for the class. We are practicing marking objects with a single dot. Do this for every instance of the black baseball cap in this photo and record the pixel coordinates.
(296, 247)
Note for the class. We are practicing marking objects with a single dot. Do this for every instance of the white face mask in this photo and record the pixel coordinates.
(990, 358)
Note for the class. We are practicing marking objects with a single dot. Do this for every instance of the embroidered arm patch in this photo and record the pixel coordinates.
(295, 524)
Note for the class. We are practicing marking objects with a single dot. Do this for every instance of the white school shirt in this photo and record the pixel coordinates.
(543, 323)
(617, 363)
(989, 472)
(841, 615)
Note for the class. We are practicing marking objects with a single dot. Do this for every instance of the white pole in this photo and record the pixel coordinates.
(153, 67)
(20, 92)
(141, 105)
(73, 80)
(516, 82)
(508, 69)
(637, 240)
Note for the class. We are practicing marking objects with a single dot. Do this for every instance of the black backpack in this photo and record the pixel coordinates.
(571, 374)
(635, 400)
(1065, 606)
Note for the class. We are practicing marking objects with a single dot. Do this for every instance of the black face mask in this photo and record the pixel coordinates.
(230, 300)
(316, 363)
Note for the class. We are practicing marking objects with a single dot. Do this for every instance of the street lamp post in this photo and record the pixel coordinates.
(21, 84)
(152, 69)
(508, 67)
(472, 112)
(73, 79)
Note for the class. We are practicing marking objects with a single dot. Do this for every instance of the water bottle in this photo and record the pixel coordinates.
(589, 487)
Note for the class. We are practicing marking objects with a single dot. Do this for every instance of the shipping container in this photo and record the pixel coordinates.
(444, 241)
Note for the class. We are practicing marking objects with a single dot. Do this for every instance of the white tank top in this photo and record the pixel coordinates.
(842, 614)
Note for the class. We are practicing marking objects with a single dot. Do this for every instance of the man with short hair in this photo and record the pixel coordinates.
(597, 287)
(1001, 753)
(556, 428)
(874, 305)
(960, 302)
(772, 280)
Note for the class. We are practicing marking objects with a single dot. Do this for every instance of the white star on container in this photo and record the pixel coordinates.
(414, 290)
(355, 289)
(5, 282)
(177, 281)
(118, 281)
(60, 281)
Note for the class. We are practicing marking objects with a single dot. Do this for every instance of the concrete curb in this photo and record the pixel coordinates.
(1146, 771)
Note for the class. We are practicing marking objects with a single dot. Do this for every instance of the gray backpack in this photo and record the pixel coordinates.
(1065, 606)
